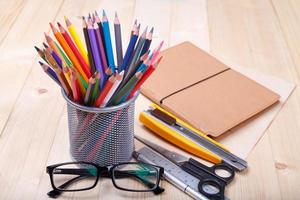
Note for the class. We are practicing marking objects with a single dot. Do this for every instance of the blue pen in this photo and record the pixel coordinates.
(107, 40)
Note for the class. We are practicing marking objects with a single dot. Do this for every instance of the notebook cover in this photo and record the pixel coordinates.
(203, 91)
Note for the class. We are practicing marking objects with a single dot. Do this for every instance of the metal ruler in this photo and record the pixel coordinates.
(173, 173)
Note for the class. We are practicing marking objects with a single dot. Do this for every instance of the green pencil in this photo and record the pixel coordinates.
(124, 92)
(68, 62)
(95, 89)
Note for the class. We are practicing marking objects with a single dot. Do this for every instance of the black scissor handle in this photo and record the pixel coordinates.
(211, 189)
(209, 185)
(222, 171)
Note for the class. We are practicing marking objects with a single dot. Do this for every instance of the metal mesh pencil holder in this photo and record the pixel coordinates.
(104, 136)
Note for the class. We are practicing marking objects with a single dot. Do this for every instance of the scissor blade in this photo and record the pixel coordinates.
(171, 155)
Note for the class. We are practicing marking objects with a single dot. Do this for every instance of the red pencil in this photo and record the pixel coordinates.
(105, 90)
(71, 44)
(148, 72)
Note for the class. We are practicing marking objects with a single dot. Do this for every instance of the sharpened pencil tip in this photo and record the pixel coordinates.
(58, 24)
(68, 22)
(135, 22)
(45, 45)
(96, 13)
(41, 63)
(37, 49)
(158, 61)
(145, 31)
(51, 25)
(103, 13)
(152, 29)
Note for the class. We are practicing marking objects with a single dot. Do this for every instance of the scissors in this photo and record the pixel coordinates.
(212, 180)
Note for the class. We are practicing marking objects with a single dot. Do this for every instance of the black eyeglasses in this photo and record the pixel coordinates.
(79, 176)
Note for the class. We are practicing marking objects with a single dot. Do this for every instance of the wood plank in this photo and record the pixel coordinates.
(288, 17)
(285, 131)
(17, 52)
(9, 11)
(249, 33)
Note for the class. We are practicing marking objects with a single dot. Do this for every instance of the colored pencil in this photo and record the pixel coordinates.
(148, 41)
(122, 94)
(89, 90)
(108, 44)
(63, 81)
(68, 51)
(65, 57)
(129, 50)
(156, 52)
(144, 65)
(96, 90)
(41, 53)
(71, 44)
(54, 55)
(132, 69)
(146, 75)
(108, 85)
(95, 52)
(77, 97)
(53, 46)
(57, 62)
(133, 27)
(131, 56)
(101, 48)
(50, 72)
(138, 48)
(118, 40)
(101, 42)
(88, 46)
(119, 78)
(50, 59)
(77, 40)
(98, 21)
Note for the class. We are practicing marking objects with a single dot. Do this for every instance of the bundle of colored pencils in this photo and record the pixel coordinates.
(87, 72)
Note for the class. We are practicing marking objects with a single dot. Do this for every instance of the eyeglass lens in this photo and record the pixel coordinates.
(138, 177)
(72, 177)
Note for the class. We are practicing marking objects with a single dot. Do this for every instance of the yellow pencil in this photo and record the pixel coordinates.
(77, 40)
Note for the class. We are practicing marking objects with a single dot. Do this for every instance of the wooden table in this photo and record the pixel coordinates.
(260, 34)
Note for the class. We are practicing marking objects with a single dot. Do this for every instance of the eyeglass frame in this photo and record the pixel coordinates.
(100, 171)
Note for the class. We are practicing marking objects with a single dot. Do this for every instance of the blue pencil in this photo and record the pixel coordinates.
(129, 50)
(107, 40)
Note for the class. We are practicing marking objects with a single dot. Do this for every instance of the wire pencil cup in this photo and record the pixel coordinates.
(101, 135)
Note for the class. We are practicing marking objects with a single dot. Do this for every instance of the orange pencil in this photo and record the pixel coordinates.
(71, 44)
(144, 78)
(68, 51)
(105, 90)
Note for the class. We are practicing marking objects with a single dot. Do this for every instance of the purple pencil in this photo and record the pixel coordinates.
(100, 46)
(95, 52)
(101, 41)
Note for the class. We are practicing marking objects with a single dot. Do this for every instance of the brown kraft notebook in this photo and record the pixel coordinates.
(204, 92)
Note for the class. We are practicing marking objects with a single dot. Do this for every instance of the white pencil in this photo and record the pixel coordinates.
(119, 78)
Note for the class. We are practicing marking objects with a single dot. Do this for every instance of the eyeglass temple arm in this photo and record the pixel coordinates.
(56, 193)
